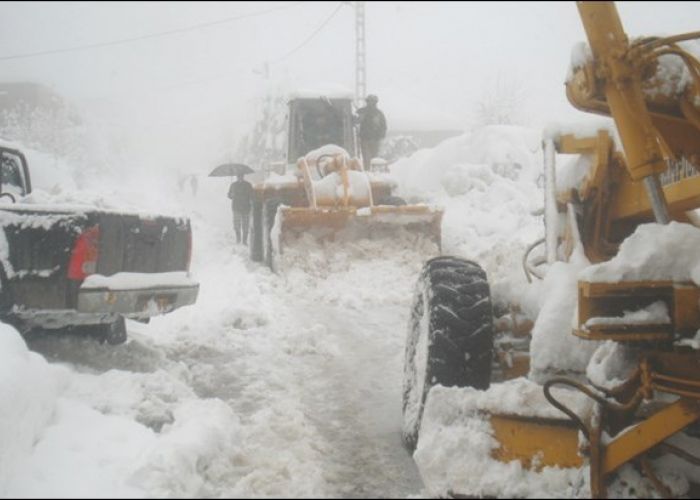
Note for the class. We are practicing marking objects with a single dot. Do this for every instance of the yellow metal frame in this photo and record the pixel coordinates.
(655, 131)
(612, 299)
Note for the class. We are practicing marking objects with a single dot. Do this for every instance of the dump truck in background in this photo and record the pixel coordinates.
(473, 405)
(323, 193)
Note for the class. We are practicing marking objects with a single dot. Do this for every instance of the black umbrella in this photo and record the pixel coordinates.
(231, 170)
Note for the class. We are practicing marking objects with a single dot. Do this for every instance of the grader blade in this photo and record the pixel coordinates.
(536, 443)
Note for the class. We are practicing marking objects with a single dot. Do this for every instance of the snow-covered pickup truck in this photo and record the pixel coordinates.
(84, 269)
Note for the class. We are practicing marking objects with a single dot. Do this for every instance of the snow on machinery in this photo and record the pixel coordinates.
(643, 307)
(325, 193)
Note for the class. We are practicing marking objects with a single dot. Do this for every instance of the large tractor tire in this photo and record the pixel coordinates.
(450, 338)
(113, 333)
(7, 302)
(269, 211)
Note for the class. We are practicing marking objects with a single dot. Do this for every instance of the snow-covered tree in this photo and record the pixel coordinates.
(501, 102)
(267, 141)
(56, 129)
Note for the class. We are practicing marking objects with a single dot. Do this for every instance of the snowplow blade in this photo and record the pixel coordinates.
(351, 224)
(417, 226)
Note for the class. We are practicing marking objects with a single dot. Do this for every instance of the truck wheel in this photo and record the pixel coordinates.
(256, 234)
(450, 338)
(268, 220)
(113, 333)
(5, 295)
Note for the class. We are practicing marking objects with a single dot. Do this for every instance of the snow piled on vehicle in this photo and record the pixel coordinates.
(654, 252)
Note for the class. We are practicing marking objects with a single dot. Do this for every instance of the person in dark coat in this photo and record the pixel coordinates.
(372, 129)
(241, 194)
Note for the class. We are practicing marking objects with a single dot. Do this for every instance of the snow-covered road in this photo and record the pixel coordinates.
(271, 385)
(355, 402)
(309, 366)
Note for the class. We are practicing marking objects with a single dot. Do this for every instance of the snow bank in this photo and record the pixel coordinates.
(117, 434)
(47, 172)
(83, 453)
(194, 450)
(59, 184)
(553, 346)
(487, 183)
(29, 388)
(653, 252)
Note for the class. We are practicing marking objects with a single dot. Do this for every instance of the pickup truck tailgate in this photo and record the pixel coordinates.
(136, 244)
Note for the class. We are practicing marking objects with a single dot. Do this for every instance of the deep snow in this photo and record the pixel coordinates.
(287, 385)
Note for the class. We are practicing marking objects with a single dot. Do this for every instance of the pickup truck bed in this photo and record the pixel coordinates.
(64, 266)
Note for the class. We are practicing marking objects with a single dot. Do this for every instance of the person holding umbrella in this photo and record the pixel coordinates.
(241, 194)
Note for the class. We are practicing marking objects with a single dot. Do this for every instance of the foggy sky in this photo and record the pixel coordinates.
(192, 93)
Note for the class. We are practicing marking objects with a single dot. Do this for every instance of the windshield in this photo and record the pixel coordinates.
(318, 122)
(11, 174)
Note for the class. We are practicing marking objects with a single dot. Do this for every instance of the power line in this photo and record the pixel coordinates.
(151, 35)
(230, 74)
(316, 32)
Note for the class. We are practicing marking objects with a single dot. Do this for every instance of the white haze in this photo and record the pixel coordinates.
(181, 102)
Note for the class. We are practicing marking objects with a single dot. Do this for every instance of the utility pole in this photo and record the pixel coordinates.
(360, 61)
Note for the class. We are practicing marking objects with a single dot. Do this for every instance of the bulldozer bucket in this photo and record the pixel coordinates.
(416, 225)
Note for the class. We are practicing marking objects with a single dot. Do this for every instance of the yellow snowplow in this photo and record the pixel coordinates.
(325, 196)
(628, 420)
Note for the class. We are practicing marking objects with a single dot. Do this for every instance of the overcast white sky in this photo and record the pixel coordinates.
(426, 60)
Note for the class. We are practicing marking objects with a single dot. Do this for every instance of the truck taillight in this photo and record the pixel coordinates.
(86, 251)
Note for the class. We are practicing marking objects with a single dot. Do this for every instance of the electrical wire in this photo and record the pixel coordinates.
(149, 36)
(311, 37)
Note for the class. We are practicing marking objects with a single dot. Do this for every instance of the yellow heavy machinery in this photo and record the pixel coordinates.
(655, 177)
(324, 192)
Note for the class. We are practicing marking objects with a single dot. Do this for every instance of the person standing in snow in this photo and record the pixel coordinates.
(241, 195)
(372, 129)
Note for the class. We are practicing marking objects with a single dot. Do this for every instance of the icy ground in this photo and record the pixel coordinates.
(271, 385)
